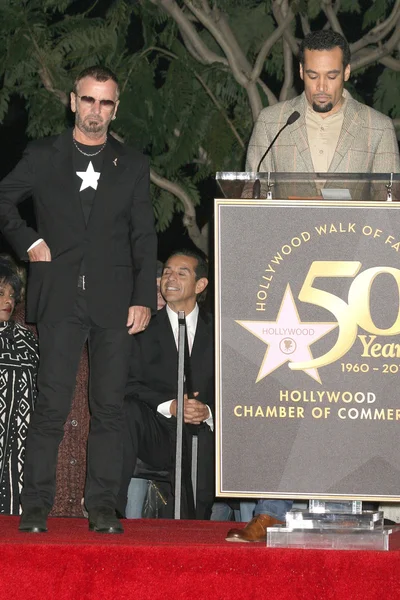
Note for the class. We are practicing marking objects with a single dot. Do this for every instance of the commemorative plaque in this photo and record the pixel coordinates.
(308, 345)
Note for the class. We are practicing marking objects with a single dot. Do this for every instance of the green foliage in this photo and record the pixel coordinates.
(47, 115)
(4, 98)
(313, 8)
(251, 26)
(164, 205)
(351, 6)
(387, 93)
(377, 11)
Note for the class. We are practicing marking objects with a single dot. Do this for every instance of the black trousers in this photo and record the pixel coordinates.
(60, 346)
(151, 438)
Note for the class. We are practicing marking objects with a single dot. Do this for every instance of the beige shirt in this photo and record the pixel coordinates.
(323, 135)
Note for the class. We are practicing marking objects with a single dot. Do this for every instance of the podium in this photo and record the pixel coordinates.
(308, 344)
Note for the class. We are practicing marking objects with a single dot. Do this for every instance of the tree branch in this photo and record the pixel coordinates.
(192, 50)
(240, 57)
(367, 57)
(238, 64)
(212, 27)
(252, 91)
(289, 37)
(221, 109)
(288, 80)
(206, 7)
(272, 99)
(189, 218)
(391, 62)
(206, 88)
(235, 59)
(305, 25)
(187, 29)
(337, 6)
(189, 211)
(268, 44)
(45, 75)
(331, 16)
(378, 32)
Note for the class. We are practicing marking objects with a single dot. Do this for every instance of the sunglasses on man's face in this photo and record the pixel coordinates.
(90, 101)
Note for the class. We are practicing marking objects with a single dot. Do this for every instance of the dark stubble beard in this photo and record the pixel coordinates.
(322, 108)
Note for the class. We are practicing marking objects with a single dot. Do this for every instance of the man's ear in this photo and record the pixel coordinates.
(347, 73)
(115, 110)
(201, 285)
(73, 101)
(301, 72)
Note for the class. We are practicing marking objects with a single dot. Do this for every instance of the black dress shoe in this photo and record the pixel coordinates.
(103, 520)
(34, 520)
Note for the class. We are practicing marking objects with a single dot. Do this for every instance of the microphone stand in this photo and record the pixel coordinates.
(257, 184)
(183, 368)
(179, 414)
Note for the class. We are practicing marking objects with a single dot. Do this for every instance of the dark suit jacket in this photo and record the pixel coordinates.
(154, 362)
(118, 245)
(153, 380)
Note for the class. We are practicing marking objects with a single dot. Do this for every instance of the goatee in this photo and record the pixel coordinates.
(322, 108)
(90, 125)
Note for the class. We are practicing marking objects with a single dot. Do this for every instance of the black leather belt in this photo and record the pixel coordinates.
(82, 282)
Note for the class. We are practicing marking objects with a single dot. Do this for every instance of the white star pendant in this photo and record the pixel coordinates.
(89, 177)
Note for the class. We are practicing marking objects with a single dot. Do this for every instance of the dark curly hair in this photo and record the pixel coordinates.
(325, 40)
(9, 274)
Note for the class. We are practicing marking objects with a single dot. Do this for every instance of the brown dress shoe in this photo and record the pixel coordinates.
(255, 530)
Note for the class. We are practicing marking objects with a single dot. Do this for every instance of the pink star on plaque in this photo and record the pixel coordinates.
(288, 338)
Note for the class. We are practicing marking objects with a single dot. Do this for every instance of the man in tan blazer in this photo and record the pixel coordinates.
(333, 133)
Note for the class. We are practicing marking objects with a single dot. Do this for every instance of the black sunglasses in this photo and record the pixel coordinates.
(110, 104)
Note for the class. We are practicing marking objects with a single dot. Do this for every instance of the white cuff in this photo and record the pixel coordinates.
(35, 244)
(210, 420)
(164, 407)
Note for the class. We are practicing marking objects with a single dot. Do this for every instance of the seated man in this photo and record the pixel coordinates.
(150, 400)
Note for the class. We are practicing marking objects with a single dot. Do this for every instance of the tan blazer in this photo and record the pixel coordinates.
(367, 142)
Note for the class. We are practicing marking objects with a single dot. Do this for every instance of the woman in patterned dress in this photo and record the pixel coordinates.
(18, 369)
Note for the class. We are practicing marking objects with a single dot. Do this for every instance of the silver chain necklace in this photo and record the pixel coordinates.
(87, 153)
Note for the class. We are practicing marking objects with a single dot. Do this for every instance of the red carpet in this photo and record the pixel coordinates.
(159, 560)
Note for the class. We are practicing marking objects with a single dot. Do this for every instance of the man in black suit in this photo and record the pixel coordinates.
(150, 402)
(91, 277)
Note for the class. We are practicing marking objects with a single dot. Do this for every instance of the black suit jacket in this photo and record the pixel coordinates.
(154, 362)
(153, 380)
(118, 245)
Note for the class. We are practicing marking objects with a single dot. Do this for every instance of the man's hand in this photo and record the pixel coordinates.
(138, 319)
(194, 411)
(40, 253)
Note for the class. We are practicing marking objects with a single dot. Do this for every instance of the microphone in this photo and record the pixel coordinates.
(257, 184)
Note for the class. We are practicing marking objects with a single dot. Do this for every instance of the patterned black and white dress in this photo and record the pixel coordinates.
(19, 360)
